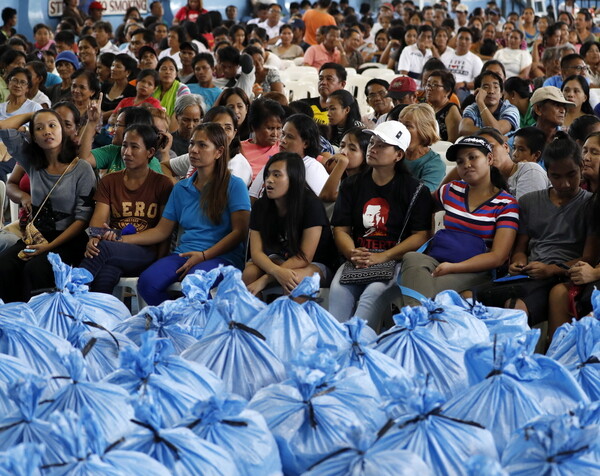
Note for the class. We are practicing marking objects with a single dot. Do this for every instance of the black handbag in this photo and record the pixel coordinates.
(378, 272)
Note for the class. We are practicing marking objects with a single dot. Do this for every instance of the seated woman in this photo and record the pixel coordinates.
(422, 162)
(146, 84)
(169, 88)
(343, 114)
(577, 90)
(19, 81)
(478, 209)
(586, 272)
(113, 92)
(211, 207)
(84, 88)
(109, 157)
(237, 165)
(518, 92)
(265, 119)
(237, 100)
(300, 244)
(62, 188)
(554, 232)
(438, 91)
(135, 196)
(300, 136)
(350, 160)
(267, 79)
(286, 50)
(188, 113)
(372, 226)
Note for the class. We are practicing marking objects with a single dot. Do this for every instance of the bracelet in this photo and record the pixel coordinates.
(483, 110)
(203, 256)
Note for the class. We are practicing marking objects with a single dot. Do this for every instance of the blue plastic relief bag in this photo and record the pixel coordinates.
(357, 354)
(22, 460)
(367, 455)
(83, 450)
(232, 287)
(100, 348)
(159, 319)
(235, 352)
(517, 383)
(226, 421)
(312, 412)
(179, 449)
(286, 325)
(484, 465)
(17, 311)
(56, 309)
(108, 403)
(330, 333)
(38, 347)
(554, 445)
(24, 425)
(147, 369)
(454, 324)
(577, 347)
(419, 349)
(196, 302)
(418, 424)
(510, 322)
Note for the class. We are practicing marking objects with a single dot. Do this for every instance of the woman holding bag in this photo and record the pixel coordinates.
(374, 223)
(480, 215)
(62, 190)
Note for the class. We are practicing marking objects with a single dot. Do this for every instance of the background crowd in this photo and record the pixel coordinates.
(154, 150)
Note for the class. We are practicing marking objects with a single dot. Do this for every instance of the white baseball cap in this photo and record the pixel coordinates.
(393, 133)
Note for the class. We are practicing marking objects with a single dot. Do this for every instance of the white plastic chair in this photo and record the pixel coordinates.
(301, 90)
(302, 71)
(356, 86)
(594, 96)
(351, 72)
(137, 302)
(441, 147)
(2, 200)
(381, 73)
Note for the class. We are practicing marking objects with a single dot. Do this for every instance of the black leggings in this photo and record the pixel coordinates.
(19, 279)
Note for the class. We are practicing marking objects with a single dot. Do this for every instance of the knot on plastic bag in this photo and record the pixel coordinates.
(219, 409)
(245, 328)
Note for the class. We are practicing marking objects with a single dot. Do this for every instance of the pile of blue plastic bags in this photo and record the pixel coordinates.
(219, 383)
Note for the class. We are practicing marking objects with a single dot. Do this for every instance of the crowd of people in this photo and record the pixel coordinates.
(159, 149)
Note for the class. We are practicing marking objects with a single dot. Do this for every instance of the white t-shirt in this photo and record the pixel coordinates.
(28, 106)
(412, 60)
(514, 61)
(272, 31)
(175, 57)
(41, 99)
(110, 48)
(464, 68)
(316, 176)
(238, 166)
(529, 177)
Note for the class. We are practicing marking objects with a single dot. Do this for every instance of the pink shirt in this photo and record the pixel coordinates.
(318, 55)
(257, 155)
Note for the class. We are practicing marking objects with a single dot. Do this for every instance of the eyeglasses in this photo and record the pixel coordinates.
(19, 82)
(380, 94)
(579, 68)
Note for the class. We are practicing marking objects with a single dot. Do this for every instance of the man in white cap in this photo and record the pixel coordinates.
(549, 107)
(462, 13)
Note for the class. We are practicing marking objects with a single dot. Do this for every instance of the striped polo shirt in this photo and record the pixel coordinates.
(500, 211)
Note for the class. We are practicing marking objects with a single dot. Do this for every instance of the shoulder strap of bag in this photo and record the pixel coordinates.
(74, 161)
(410, 207)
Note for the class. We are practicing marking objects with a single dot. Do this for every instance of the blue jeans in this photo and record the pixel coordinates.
(115, 260)
(371, 302)
(153, 282)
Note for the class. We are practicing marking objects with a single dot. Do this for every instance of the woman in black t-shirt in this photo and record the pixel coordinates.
(290, 236)
(368, 220)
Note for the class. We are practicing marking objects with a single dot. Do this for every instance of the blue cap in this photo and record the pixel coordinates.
(69, 57)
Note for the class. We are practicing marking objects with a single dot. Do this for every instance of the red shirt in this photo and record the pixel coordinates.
(128, 102)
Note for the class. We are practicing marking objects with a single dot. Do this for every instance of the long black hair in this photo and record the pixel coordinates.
(234, 147)
(294, 205)
(586, 107)
(68, 149)
(562, 147)
(309, 132)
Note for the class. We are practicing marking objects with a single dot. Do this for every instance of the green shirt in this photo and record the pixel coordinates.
(109, 158)
(527, 120)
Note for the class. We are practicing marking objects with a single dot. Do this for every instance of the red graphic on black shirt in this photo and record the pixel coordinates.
(375, 216)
